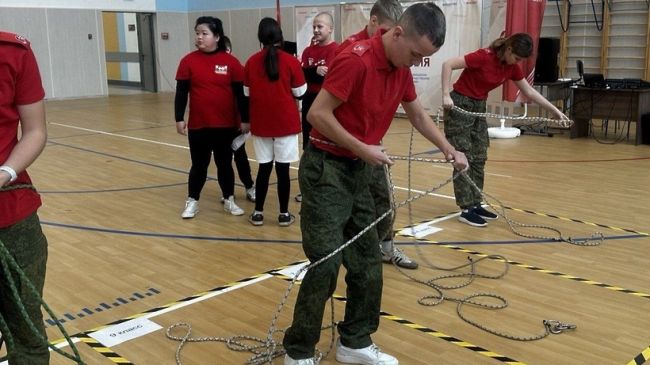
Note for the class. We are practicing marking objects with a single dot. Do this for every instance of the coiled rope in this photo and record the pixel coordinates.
(10, 265)
(265, 350)
(550, 326)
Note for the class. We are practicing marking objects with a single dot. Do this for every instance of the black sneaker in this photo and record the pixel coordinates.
(484, 213)
(470, 217)
(256, 219)
(286, 219)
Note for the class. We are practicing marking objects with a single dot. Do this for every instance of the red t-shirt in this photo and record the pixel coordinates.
(273, 107)
(314, 56)
(212, 101)
(370, 88)
(483, 73)
(362, 35)
(20, 84)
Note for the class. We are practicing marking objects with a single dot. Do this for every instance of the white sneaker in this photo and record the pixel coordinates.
(230, 206)
(250, 194)
(370, 355)
(289, 361)
(191, 208)
(401, 259)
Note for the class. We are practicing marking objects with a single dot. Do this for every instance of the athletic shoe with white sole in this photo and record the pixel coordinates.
(469, 217)
(250, 194)
(230, 206)
(484, 213)
(191, 208)
(289, 361)
(400, 258)
(370, 355)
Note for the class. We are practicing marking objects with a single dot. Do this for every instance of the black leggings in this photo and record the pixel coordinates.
(262, 185)
(243, 167)
(203, 144)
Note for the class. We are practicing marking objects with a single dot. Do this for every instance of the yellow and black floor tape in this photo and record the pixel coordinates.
(102, 350)
(641, 358)
(548, 215)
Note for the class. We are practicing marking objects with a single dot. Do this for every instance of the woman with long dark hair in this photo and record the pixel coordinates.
(483, 70)
(272, 80)
(213, 79)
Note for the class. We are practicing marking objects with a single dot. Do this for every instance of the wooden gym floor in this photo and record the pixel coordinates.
(113, 180)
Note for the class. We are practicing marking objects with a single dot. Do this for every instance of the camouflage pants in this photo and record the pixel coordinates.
(469, 135)
(380, 192)
(28, 246)
(336, 205)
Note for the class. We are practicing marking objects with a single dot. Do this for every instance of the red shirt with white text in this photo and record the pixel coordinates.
(212, 100)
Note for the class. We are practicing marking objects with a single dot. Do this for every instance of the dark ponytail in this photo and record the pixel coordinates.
(269, 34)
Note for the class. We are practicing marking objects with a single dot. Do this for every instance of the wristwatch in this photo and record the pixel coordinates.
(12, 173)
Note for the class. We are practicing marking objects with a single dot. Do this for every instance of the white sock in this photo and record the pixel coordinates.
(386, 245)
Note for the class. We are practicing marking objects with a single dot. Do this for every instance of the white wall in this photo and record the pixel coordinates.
(69, 48)
(113, 5)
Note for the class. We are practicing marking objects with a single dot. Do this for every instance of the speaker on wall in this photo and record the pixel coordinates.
(546, 65)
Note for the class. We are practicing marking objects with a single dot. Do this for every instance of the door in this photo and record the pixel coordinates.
(147, 52)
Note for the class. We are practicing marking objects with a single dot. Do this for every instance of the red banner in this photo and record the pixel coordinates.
(524, 16)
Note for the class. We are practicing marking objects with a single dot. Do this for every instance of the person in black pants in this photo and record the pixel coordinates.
(212, 80)
(240, 156)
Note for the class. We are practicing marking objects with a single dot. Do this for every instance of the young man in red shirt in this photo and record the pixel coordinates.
(316, 59)
(384, 14)
(21, 100)
(351, 115)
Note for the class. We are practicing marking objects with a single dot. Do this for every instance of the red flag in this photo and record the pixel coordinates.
(524, 16)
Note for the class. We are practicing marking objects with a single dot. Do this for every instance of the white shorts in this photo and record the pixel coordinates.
(280, 149)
